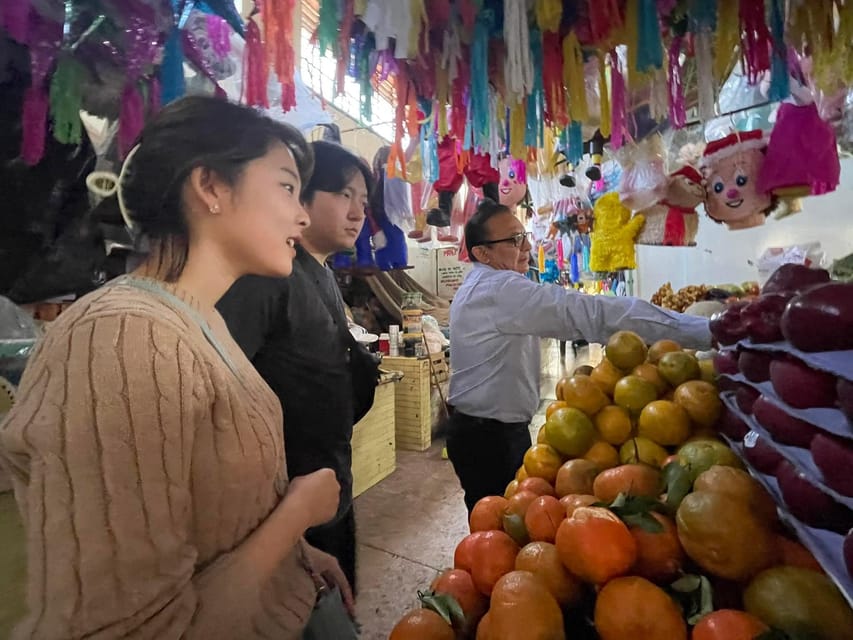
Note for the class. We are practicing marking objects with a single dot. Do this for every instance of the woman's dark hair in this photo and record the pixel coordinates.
(335, 167)
(476, 229)
(192, 132)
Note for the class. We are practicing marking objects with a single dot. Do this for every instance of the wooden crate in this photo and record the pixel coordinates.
(414, 413)
(373, 441)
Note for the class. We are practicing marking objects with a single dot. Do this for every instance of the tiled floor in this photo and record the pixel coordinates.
(410, 523)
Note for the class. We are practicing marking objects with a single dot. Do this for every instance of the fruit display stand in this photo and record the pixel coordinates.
(766, 434)
(631, 518)
(413, 405)
(373, 439)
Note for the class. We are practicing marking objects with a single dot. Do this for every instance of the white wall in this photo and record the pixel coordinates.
(723, 256)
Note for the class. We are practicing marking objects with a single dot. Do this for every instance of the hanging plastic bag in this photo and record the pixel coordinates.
(643, 182)
(398, 203)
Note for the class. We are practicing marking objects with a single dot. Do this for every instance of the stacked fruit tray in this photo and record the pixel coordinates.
(787, 381)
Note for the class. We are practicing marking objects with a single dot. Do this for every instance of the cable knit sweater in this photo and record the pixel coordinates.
(140, 463)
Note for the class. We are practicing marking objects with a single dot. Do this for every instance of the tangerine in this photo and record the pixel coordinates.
(632, 607)
(793, 554)
(523, 607)
(575, 501)
(626, 350)
(632, 393)
(677, 367)
(701, 401)
(543, 518)
(664, 423)
(641, 449)
(543, 561)
(536, 485)
(487, 514)
(614, 424)
(541, 436)
(661, 347)
(542, 461)
(630, 479)
(422, 624)
(650, 372)
(519, 503)
(464, 553)
(521, 474)
(511, 489)
(557, 404)
(603, 454)
(729, 624)
(576, 476)
(484, 629)
(493, 556)
(595, 545)
(700, 455)
(580, 392)
(570, 432)
(460, 585)
(605, 376)
(659, 555)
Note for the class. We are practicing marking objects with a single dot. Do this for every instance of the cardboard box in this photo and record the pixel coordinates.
(438, 269)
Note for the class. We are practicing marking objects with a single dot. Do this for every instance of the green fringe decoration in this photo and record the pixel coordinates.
(66, 96)
(327, 30)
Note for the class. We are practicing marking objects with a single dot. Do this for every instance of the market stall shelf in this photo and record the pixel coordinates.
(412, 403)
(825, 545)
(373, 442)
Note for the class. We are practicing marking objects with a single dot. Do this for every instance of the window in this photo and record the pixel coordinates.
(319, 74)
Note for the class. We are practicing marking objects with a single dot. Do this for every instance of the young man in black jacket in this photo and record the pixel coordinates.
(294, 331)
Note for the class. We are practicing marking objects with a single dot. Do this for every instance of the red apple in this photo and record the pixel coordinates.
(782, 426)
(746, 397)
(794, 278)
(800, 386)
(755, 365)
(726, 326)
(808, 503)
(760, 454)
(834, 458)
(821, 319)
(726, 362)
(727, 384)
(763, 316)
(732, 425)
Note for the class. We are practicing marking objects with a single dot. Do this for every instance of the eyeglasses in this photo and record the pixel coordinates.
(517, 240)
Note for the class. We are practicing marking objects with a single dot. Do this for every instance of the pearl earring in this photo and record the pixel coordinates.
(214, 209)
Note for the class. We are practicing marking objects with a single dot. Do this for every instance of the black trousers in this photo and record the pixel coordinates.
(485, 454)
(338, 539)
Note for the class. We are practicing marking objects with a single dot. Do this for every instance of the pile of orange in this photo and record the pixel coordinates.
(559, 538)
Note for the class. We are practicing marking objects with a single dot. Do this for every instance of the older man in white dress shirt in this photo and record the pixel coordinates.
(496, 321)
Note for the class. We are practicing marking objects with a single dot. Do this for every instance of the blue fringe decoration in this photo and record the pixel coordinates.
(574, 142)
(172, 85)
(702, 15)
(649, 44)
(535, 131)
(480, 104)
(780, 84)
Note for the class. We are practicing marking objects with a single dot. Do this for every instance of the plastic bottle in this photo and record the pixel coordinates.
(412, 324)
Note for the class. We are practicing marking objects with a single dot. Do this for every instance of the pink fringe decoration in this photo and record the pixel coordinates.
(34, 125)
(618, 105)
(665, 7)
(756, 42)
(14, 17)
(131, 118)
(154, 95)
(675, 84)
(343, 44)
(220, 35)
(255, 68)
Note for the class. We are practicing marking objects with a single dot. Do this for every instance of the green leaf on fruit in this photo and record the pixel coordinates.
(678, 482)
(444, 605)
(695, 595)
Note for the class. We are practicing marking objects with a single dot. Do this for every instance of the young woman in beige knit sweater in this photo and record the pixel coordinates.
(146, 452)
